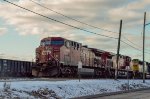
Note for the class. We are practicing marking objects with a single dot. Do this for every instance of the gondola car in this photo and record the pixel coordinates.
(15, 68)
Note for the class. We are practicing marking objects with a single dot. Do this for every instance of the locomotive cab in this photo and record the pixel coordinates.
(48, 56)
(135, 67)
(55, 55)
(49, 50)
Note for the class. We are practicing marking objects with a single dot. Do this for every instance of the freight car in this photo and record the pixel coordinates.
(15, 68)
(58, 56)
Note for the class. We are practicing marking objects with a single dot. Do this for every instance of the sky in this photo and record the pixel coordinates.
(21, 30)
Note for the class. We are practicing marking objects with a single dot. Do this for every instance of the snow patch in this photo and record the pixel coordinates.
(66, 89)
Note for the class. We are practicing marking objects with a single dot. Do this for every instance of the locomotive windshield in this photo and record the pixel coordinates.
(55, 42)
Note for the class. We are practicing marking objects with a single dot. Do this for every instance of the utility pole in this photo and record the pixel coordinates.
(118, 50)
(144, 48)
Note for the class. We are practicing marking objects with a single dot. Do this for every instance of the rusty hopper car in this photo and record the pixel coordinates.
(15, 68)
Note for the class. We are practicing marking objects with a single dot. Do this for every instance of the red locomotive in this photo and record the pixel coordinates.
(57, 56)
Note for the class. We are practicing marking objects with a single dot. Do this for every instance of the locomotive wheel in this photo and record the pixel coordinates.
(53, 72)
(98, 73)
(58, 72)
(67, 72)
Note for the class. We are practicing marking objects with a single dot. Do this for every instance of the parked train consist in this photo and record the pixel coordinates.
(15, 68)
(57, 56)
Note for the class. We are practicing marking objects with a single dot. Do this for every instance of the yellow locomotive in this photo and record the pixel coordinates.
(135, 67)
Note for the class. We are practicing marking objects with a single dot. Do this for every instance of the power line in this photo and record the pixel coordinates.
(131, 41)
(60, 21)
(71, 25)
(133, 47)
(72, 18)
(80, 21)
(77, 21)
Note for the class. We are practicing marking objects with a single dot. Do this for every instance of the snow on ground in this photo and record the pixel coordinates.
(65, 89)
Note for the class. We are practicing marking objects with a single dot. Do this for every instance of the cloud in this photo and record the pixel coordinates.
(3, 31)
(101, 13)
(17, 57)
(92, 12)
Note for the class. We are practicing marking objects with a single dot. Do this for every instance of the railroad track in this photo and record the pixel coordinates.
(47, 79)
(32, 79)
(40, 79)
